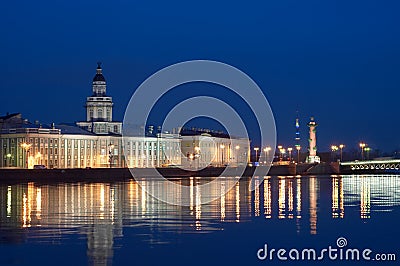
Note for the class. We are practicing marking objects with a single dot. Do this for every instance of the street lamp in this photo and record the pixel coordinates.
(267, 150)
(362, 146)
(256, 149)
(367, 149)
(110, 153)
(8, 159)
(237, 147)
(280, 152)
(26, 147)
(197, 155)
(38, 158)
(334, 148)
(191, 156)
(341, 146)
(298, 148)
(222, 146)
(290, 153)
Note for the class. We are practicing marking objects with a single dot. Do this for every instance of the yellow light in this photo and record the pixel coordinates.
(222, 146)
(256, 148)
(341, 146)
(237, 147)
(26, 146)
(289, 149)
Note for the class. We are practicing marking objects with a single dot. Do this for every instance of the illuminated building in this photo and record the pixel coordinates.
(312, 157)
(98, 142)
(209, 148)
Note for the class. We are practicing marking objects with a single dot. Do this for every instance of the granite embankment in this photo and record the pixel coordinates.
(117, 174)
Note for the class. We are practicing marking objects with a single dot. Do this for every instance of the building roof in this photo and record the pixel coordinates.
(198, 132)
(99, 74)
(99, 77)
(69, 129)
(8, 116)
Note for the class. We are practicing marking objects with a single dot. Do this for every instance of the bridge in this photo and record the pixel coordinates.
(372, 166)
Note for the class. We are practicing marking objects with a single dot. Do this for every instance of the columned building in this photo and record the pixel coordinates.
(98, 142)
(207, 149)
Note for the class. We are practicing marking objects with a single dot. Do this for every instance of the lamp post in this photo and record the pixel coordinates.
(341, 146)
(298, 148)
(267, 150)
(222, 146)
(334, 148)
(367, 149)
(110, 153)
(38, 158)
(26, 147)
(290, 153)
(362, 146)
(8, 159)
(197, 155)
(256, 149)
(237, 147)
(191, 156)
(280, 147)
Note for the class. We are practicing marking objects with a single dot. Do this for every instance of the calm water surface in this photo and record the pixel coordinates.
(117, 223)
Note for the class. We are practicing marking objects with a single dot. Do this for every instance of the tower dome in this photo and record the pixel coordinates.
(99, 73)
(99, 82)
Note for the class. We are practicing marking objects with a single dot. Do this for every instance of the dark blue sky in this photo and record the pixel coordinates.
(336, 60)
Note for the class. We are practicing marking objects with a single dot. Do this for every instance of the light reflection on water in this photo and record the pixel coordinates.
(99, 212)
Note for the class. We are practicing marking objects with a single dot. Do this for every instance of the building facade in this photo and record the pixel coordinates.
(202, 150)
(98, 142)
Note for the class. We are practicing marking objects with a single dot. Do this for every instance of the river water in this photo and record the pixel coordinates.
(117, 223)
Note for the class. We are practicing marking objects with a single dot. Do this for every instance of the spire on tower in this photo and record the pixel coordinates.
(297, 131)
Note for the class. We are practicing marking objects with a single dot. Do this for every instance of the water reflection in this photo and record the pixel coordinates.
(100, 211)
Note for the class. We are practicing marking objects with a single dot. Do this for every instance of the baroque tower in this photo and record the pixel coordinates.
(99, 108)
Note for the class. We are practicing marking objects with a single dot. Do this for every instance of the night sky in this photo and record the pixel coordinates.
(336, 60)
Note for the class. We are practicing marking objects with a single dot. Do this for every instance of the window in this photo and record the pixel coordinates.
(91, 113)
(100, 113)
(108, 115)
(115, 128)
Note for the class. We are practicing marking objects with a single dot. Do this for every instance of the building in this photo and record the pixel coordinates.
(202, 148)
(98, 142)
